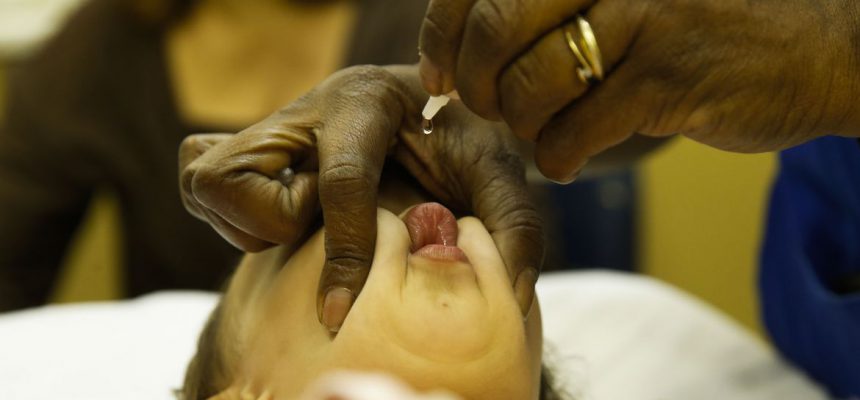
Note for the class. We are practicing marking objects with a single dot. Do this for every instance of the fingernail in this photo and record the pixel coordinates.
(335, 307)
(524, 289)
(431, 76)
(566, 180)
(454, 95)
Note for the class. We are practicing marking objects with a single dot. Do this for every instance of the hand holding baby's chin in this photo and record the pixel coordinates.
(343, 385)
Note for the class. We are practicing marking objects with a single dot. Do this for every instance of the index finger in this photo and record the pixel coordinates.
(496, 32)
(439, 41)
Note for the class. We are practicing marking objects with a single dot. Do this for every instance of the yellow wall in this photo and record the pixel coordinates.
(701, 222)
(92, 269)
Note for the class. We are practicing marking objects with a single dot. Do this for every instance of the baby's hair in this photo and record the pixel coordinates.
(208, 372)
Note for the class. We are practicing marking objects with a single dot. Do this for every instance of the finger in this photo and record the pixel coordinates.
(539, 84)
(496, 31)
(235, 236)
(543, 80)
(439, 41)
(191, 148)
(502, 202)
(611, 110)
(239, 180)
(605, 117)
(351, 156)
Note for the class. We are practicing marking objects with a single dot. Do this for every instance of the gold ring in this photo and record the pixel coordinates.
(592, 51)
(590, 70)
(584, 71)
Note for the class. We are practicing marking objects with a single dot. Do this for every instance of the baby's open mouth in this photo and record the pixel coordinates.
(433, 231)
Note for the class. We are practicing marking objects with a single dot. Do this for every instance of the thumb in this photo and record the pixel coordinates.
(502, 202)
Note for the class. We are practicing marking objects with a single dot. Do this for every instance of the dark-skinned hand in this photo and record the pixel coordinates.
(333, 143)
(744, 76)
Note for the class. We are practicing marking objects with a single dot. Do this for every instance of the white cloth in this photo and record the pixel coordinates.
(617, 337)
(611, 336)
(127, 350)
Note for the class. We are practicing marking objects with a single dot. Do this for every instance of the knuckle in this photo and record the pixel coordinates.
(528, 223)
(206, 183)
(370, 87)
(346, 266)
(518, 213)
(190, 143)
(361, 80)
(186, 179)
(522, 79)
(369, 73)
(488, 20)
(518, 97)
(345, 177)
(437, 32)
(189, 150)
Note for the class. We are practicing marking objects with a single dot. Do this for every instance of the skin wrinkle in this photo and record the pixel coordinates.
(488, 23)
(286, 200)
(705, 102)
(515, 104)
(852, 67)
(828, 98)
(853, 51)
(796, 116)
(525, 86)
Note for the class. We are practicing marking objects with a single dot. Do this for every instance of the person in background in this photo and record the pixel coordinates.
(107, 101)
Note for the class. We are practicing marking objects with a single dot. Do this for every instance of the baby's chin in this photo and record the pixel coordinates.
(507, 371)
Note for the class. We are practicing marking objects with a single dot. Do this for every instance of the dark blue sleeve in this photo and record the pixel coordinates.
(811, 252)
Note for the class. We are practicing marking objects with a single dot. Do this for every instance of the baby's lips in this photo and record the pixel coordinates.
(443, 253)
(431, 223)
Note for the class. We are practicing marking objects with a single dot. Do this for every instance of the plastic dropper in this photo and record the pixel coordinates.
(433, 106)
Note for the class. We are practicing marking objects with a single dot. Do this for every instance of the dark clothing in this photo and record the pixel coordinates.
(811, 262)
(94, 109)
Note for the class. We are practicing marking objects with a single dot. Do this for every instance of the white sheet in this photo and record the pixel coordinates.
(615, 337)
(618, 337)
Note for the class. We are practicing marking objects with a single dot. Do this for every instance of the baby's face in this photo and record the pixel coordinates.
(435, 317)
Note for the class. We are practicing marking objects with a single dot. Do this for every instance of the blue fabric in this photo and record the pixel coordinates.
(811, 247)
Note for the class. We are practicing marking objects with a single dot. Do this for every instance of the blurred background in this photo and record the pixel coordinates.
(686, 214)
